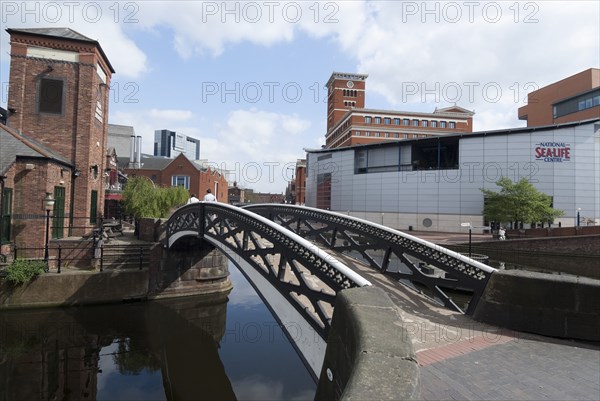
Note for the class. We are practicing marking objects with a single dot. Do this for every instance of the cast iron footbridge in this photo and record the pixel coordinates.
(299, 281)
(401, 256)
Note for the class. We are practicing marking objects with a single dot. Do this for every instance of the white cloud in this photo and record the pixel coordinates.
(170, 115)
(415, 65)
(257, 147)
(209, 27)
(100, 21)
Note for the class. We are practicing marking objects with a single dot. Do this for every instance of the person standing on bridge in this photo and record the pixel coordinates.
(209, 197)
(193, 199)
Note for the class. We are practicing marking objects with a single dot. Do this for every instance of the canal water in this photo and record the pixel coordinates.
(178, 349)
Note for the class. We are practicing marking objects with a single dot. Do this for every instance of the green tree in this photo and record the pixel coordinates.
(142, 199)
(518, 202)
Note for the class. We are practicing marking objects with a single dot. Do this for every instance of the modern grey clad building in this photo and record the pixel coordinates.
(119, 138)
(434, 183)
(171, 144)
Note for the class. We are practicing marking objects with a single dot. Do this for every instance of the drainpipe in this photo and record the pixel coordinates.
(74, 174)
(2, 178)
(138, 149)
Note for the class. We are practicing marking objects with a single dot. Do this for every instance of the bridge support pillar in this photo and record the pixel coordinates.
(191, 269)
(369, 352)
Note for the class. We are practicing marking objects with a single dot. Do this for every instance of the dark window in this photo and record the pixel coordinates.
(58, 213)
(6, 215)
(387, 120)
(434, 155)
(377, 160)
(50, 98)
(577, 103)
(94, 207)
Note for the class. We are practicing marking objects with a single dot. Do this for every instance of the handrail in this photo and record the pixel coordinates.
(309, 246)
(305, 275)
(341, 233)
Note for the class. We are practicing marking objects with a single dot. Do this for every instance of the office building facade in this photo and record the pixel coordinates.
(435, 183)
(350, 123)
(574, 98)
(171, 144)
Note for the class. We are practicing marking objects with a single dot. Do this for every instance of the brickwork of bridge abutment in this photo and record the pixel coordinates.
(190, 267)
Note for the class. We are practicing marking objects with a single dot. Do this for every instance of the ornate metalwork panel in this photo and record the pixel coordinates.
(401, 256)
(305, 275)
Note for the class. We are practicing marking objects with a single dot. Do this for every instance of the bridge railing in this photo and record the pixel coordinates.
(305, 275)
(399, 255)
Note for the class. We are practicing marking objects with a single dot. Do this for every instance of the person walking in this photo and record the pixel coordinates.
(209, 197)
(501, 234)
(193, 199)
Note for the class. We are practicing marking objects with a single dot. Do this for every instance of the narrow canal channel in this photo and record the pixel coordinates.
(178, 349)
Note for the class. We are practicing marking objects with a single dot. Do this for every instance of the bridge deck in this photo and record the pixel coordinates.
(464, 359)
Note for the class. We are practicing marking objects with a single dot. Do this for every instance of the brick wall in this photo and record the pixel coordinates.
(29, 187)
(75, 134)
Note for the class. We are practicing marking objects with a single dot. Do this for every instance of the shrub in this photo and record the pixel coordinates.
(22, 271)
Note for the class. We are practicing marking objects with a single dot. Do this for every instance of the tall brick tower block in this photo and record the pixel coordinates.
(344, 92)
(58, 96)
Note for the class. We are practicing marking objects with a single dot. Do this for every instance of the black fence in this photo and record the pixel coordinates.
(90, 255)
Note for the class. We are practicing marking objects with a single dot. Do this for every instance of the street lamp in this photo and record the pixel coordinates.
(48, 205)
(470, 228)
(578, 210)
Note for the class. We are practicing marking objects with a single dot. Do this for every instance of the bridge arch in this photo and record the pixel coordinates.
(298, 280)
(399, 255)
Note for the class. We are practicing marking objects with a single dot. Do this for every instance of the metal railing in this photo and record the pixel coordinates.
(305, 275)
(396, 254)
(88, 256)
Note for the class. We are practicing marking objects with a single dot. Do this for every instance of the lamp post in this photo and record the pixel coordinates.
(470, 228)
(578, 220)
(48, 205)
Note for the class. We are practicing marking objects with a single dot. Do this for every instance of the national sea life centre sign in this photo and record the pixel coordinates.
(553, 152)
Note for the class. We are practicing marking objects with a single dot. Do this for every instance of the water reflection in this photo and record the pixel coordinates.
(179, 349)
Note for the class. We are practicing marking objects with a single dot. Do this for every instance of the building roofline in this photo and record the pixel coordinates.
(436, 113)
(509, 131)
(346, 75)
(585, 92)
(32, 32)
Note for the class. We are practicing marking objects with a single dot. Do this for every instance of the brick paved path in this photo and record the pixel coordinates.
(462, 359)
(524, 368)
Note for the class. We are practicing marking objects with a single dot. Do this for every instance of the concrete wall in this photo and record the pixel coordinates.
(547, 304)
(369, 354)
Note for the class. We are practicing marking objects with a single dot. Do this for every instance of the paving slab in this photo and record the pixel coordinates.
(462, 359)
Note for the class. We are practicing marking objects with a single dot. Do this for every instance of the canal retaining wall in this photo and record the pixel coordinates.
(76, 288)
(548, 304)
(369, 353)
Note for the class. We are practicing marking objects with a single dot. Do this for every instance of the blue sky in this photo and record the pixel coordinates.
(247, 78)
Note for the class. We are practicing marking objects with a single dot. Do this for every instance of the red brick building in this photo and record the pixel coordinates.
(350, 123)
(574, 98)
(178, 171)
(300, 181)
(58, 108)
